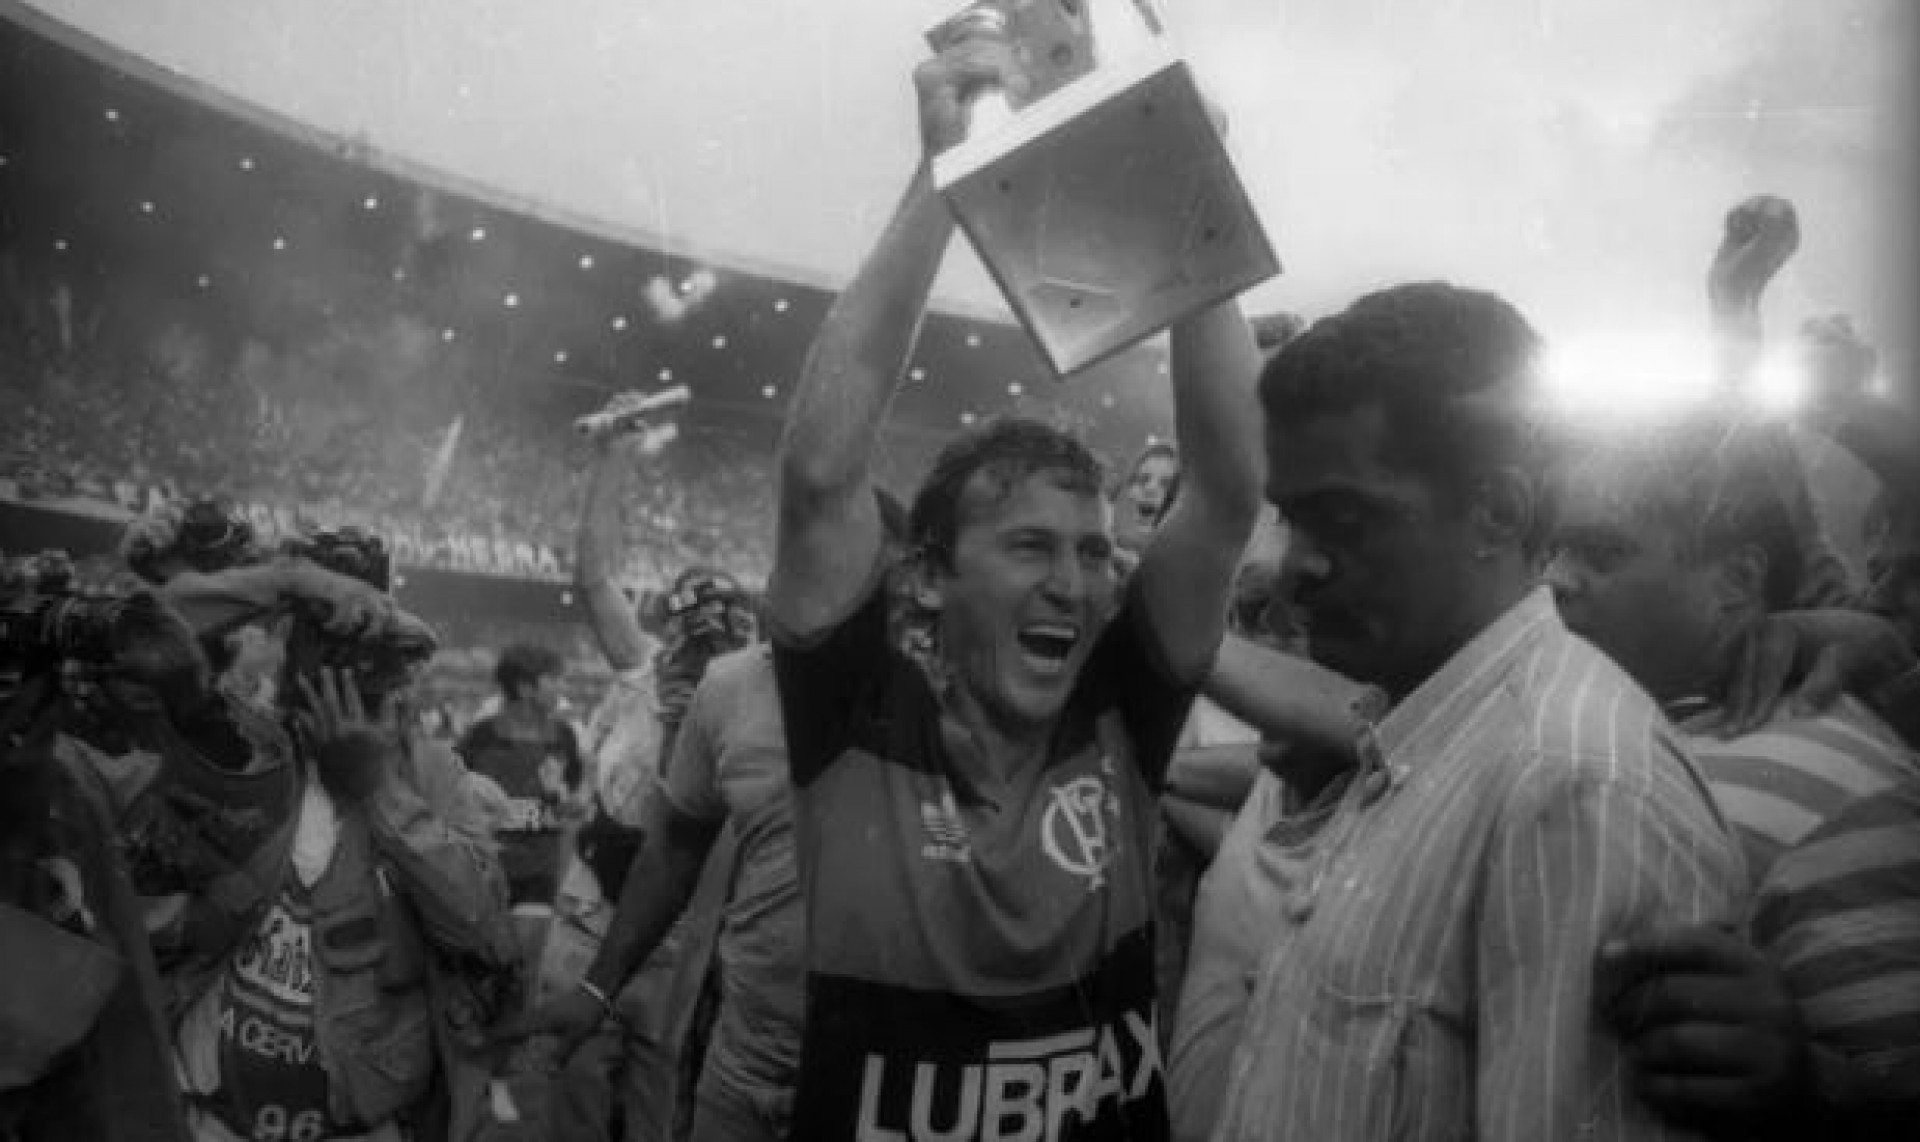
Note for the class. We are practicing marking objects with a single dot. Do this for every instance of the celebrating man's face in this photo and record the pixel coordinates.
(1030, 587)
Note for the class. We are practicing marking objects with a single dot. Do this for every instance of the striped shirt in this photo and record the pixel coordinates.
(1433, 976)
(1828, 810)
(1840, 915)
(1779, 783)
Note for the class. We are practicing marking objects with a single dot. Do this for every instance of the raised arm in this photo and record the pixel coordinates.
(828, 533)
(1761, 234)
(1186, 573)
(597, 557)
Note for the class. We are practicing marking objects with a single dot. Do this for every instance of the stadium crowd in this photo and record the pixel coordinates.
(1550, 778)
(130, 438)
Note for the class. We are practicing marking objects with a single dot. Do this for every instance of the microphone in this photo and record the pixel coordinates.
(628, 411)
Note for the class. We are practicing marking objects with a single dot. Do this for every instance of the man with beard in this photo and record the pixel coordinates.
(1431, 974)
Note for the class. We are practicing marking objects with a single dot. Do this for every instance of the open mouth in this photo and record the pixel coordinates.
(1047, 646)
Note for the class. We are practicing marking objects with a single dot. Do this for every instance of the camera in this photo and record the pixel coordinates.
(349, 551)
(692, 616)
(381, 664)
(212, 535)
(40, 630)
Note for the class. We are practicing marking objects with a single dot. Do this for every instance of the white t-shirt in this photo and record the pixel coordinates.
(622, 743)
(1234, 920)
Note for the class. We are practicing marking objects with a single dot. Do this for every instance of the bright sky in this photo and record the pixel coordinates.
(1576, 154)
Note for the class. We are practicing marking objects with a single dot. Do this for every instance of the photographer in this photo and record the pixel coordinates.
(704, 615)
(324, 900)
(83, 1047)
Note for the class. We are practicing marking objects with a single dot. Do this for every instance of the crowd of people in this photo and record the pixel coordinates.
(1550, 778)
(129, 437)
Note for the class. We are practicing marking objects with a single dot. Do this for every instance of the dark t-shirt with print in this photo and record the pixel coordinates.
(537, 777)
(976, 970)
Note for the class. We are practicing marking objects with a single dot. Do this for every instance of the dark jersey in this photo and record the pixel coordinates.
(537, 777)
(976, 971)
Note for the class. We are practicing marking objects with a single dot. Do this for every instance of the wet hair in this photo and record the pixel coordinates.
(1453, 369)
(523, 665)
(1006, 451)
(1714, 483)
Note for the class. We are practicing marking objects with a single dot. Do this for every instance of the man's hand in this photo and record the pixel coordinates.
(1809, 659)
(1713, 1037)
(948, 81)
(1762, 233)
(351, 751)
(570, 1018)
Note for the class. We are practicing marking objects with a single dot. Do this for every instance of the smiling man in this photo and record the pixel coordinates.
(974, 837)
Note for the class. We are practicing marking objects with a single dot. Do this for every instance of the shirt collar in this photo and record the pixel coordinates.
(1472, 672)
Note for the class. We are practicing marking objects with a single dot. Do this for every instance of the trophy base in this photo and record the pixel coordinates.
(1107, 211)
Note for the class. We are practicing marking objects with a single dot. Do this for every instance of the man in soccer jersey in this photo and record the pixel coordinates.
(974, 836)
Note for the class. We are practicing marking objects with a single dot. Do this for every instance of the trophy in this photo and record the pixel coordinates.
(1103, 202)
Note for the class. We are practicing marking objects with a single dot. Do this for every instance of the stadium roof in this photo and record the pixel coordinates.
(163, 200)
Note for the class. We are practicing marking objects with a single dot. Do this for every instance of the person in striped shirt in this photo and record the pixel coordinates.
(1675, 540)
(1841, 912)
(1432, 972)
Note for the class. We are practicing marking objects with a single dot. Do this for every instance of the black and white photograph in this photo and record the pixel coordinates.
(959, 571)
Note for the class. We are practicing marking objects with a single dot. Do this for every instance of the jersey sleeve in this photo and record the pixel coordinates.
(830, 682)
(1127, 674)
